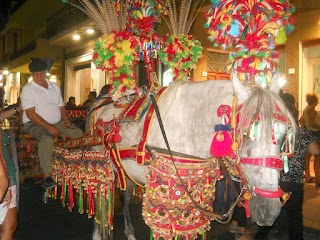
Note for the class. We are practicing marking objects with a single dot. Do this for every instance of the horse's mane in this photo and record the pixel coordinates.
(262, 104)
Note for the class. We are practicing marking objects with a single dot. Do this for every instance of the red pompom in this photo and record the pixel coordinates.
(221, 145)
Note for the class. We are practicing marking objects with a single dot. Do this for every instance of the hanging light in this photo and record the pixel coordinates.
(76, 36)
(90, 30)
(5, 72)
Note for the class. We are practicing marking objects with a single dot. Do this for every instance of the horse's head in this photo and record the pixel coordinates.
(262, 125)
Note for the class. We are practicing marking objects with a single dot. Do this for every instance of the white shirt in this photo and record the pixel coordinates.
(47, 102)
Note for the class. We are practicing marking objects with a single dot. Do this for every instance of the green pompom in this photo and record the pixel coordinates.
(107, 55)
(116, 83)
(215, 3)
(289, 28)
(281, 37)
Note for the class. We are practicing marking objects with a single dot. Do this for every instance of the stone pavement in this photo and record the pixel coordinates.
(52, 221)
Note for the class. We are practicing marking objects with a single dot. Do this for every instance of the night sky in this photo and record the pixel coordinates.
(4, 12)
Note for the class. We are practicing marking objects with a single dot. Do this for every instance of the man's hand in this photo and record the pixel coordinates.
(67, 123)
(53, 131)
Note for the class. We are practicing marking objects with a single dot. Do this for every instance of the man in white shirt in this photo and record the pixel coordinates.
(45, 116)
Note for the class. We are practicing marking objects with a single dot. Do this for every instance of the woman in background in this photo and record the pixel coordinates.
(310, 119)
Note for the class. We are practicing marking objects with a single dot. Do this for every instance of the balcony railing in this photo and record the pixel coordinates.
(65, 19)
(16, 6)
(6, 58)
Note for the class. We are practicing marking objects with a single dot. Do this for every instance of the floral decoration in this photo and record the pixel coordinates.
(144, 16)
(181, 53)
(117, 52)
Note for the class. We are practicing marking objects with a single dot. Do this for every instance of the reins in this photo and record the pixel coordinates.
(104, 103)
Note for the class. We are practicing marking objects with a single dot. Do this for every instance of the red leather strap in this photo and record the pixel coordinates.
(141, 149)
(117, 164)
(246, 205)
(132, 153)
(270, 162)
(118, 155)
(268, 194)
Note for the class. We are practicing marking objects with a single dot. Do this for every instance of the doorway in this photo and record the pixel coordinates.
(216, 64)
(82, 77)
(310, 78)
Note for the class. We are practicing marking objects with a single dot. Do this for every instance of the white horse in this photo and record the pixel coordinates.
(188, 111)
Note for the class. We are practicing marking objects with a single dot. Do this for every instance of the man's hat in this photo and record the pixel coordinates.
(40, 64)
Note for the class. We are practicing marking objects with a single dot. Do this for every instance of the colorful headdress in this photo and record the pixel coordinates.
(143, 18)
(254, 27)
(128, 36)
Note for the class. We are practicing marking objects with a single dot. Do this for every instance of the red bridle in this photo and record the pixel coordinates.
(251, 191)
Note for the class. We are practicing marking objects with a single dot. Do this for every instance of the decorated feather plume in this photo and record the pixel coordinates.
(181, 52)
(127, 37)
(109, 15)
(180, 15)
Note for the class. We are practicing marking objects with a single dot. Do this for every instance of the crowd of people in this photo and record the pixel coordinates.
(71, 104)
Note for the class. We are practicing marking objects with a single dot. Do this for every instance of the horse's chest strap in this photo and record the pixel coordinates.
(141, 149)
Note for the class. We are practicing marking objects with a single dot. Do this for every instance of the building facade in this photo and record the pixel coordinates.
(38, 29)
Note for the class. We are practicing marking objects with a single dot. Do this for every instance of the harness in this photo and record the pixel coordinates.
(144, 156)
(139, 152)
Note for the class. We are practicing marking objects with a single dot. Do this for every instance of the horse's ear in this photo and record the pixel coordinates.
(240, 90)
(275, 85)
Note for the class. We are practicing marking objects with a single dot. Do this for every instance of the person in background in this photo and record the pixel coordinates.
(310, 119)
(292, 181)
(71, 104)
(8, 208)
(45, 116)
(91, 97)
(238, 224)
